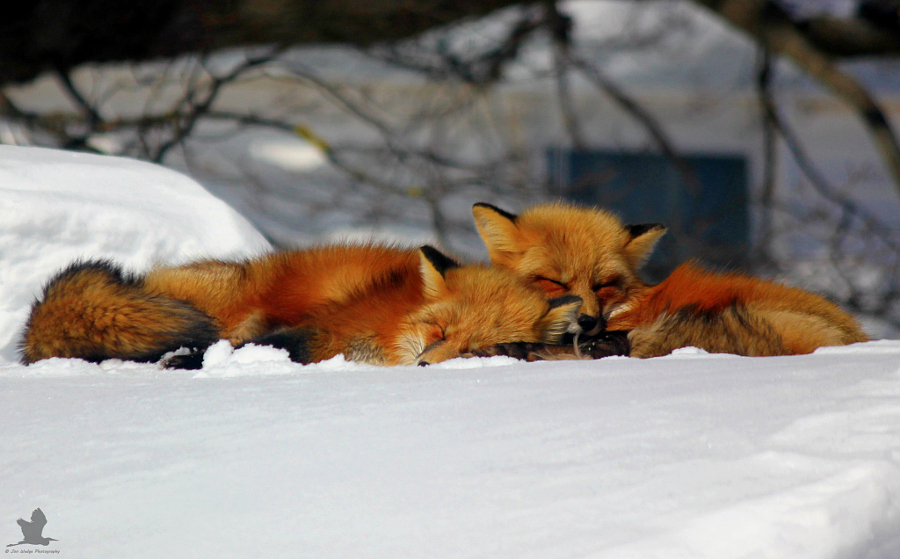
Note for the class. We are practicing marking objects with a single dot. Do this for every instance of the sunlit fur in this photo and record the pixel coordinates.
(732, 313)
(596, 257)
(464, 309)
(372, 303)
(476, 307)
(281, 288)
(93, 311)
(586, 250)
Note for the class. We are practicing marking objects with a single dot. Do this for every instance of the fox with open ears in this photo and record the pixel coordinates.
(589, 252)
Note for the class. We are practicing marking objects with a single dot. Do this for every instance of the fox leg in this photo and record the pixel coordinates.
(94, 311)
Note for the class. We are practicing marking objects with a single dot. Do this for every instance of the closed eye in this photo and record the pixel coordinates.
(431, 346)
(436, 327)
(615, 282)
(433, 333)
(559, 283)
(551, 287)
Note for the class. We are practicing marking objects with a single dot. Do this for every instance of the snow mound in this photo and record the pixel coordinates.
(58, 206)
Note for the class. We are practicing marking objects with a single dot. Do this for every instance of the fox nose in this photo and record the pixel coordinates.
(590, 324)
(587, 322)
(423, 363)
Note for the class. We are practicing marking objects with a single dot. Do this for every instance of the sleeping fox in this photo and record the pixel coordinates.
(568, 250)
(376, 304)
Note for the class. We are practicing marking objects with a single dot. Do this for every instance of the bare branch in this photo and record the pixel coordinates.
(769, 25)
(199, 108)
(763, 83)
(643, 117)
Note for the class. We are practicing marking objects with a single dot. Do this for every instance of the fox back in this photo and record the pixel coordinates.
(252, 297)
(733, 313)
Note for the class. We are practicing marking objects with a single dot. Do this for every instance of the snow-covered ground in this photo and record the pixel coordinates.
(690, 455)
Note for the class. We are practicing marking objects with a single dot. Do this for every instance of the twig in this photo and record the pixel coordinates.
(198, 108)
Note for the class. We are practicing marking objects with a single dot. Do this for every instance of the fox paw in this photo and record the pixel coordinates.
(602, 345)
(605, 344)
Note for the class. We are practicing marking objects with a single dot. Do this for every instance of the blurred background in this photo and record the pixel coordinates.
(760, 131)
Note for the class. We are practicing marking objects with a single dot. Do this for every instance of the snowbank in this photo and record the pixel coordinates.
(686, 456)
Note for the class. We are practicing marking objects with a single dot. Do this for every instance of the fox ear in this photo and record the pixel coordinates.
(497, 229)
(643, 237)
(561, 315)
(433, 265)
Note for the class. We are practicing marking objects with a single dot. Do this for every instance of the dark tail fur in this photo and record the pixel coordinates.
(94, 311)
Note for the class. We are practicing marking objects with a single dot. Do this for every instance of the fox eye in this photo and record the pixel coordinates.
(435, 332)
(551, 287)
(614, 282)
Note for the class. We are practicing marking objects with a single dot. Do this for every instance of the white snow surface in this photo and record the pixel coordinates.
(691, 455)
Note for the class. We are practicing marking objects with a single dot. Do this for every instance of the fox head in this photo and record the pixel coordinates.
(468, 308)
(568, 250)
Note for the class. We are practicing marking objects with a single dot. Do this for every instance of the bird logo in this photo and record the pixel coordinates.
(32, 531)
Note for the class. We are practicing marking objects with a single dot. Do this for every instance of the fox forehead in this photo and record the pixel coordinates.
(569, 262)
(574, 224)
(474, 321)
(575, 242)
(486, 300)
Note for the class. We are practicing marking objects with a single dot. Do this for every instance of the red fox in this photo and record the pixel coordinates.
(567, 250)
(376, 304)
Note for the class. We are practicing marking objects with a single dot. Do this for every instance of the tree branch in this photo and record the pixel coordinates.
(769, 25)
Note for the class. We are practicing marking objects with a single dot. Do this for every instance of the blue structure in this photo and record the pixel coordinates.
(708, 218)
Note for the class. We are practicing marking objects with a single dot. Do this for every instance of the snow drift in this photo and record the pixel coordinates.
(690, 455)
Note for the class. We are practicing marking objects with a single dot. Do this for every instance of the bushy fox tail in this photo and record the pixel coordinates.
(94, 311)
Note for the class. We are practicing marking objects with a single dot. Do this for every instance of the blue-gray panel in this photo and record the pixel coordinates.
(708, 220)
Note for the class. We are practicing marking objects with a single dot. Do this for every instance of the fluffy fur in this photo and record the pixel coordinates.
(589, 253)
(94, 311)
(377, 304)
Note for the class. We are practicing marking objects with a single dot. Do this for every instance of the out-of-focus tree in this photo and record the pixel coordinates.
(161, 79)
(59, 35)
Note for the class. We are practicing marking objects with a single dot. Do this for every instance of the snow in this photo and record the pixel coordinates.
(691, 455)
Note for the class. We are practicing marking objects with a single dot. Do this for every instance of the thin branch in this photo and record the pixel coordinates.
(93, 117)
(886, 234)
(767, 23)
(763, 83)
(643, 117)
(201, 107)
(559, 27)
(569, 115)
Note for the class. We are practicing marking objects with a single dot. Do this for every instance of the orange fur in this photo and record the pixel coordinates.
(94, 311)
(378, 304)
(279, 289)
(462, 310)
(590, 253)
